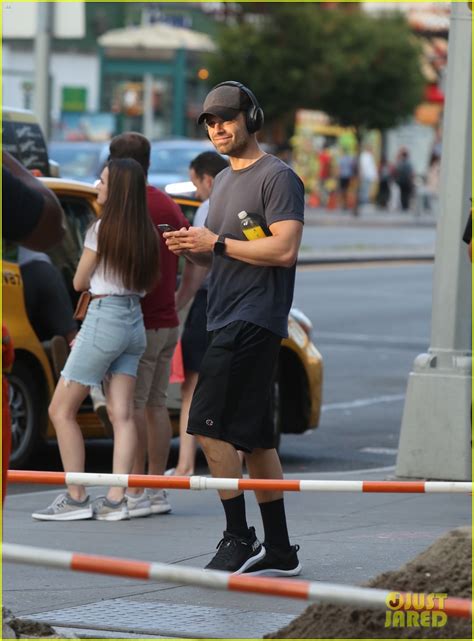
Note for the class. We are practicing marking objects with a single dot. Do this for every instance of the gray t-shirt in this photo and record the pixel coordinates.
(237, 290)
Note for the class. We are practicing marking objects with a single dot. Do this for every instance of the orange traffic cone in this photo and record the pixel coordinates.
(332, 201)
(313, 200)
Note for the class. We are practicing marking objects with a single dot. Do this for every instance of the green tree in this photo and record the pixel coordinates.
(363, 71)
(371, 74)
(274, 53)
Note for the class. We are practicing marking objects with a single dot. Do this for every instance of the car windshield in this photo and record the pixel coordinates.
(76, 163)
(173, 160)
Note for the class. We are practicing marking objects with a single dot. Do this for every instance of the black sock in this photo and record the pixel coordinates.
(274, 524)
(235, 515)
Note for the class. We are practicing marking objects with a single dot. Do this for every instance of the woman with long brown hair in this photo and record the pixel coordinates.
(119, 264)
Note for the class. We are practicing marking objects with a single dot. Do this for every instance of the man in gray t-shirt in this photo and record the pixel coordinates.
(250, 294)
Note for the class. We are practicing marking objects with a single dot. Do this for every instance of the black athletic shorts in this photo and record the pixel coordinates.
(233, 400)
(195, 337)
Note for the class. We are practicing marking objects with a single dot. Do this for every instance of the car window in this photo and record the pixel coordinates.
(173, 161)
(79, 215)
(25, 141)
(77, 164)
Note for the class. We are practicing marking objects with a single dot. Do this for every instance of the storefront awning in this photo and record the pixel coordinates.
(157, 37)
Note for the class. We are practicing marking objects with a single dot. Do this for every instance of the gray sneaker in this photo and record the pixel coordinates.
(138, 505)
(159, 501)
(65, 508)
(105, 510)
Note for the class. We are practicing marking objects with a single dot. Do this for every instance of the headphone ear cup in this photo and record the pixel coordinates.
(254, 120)
(250, 120)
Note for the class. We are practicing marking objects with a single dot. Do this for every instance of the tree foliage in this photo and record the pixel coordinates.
(363, 71)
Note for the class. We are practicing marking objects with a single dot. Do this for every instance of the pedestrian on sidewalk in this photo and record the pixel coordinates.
(404, 177)
(385, 179)
(119, 264)
(346, 171)
(367, 174)
(162, 332)
(249, 297)
(202, 171)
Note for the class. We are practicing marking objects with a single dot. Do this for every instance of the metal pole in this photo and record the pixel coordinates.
(435, 439)
(179, 94)
(148, 105)
(42, 47)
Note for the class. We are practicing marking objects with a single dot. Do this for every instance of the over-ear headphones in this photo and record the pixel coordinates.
(254, 114)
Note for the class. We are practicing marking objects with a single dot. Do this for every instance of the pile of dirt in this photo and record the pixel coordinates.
(445, 567)
(13, 628)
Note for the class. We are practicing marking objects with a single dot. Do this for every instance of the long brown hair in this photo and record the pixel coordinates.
(128, 244)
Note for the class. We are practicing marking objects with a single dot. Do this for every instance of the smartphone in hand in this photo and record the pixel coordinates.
(165, 227)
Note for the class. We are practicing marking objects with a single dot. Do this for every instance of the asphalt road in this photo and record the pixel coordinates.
(369, 324)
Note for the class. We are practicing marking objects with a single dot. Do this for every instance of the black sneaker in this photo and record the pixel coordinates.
(236, 554)
(276, 563)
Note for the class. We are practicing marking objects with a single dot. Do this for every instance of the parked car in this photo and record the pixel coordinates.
(23, 139)
(82, 161)
(36, 370)
(169, 162)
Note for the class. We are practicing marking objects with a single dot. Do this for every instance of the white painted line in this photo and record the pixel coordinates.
(379, 450)
(374, 338)
(363, 402)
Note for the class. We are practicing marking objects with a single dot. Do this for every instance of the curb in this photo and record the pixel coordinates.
(374, 219)
(364, 257)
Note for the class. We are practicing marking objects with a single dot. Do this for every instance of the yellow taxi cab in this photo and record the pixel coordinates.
(37, 365)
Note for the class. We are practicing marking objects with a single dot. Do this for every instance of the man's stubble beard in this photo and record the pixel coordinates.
(237, 146)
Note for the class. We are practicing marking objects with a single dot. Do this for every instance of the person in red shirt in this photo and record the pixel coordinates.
(325, 172)
(162, 332)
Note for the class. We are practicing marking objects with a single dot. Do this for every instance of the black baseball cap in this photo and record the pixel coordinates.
(225, 101)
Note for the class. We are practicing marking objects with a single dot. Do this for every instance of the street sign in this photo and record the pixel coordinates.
(74, 99)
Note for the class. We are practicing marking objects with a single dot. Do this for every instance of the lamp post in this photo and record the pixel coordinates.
(42, 100)
(435, 438)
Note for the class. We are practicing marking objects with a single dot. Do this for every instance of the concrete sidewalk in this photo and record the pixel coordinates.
(369, 216)
(375, 235)
(345, 538)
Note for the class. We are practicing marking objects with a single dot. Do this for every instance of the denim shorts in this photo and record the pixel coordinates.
(110, 341)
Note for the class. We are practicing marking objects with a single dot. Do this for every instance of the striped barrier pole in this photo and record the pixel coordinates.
(209, 483)
(290, 588)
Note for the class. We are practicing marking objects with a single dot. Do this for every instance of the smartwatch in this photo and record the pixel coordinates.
(219, 246)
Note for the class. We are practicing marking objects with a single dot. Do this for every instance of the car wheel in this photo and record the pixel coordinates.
(27, 413)
(277, 414)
